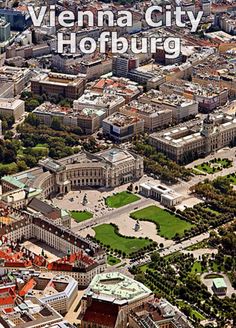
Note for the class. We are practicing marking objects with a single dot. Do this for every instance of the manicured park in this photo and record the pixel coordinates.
(214, 165)
(112, 260)
(121, 199)
(168, 224)
(80, 216)
(232, 178)
(106, 234)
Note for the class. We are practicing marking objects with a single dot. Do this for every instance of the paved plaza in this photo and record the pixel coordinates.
(36, 249)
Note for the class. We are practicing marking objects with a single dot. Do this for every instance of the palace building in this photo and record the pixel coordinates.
(82, 260)
(184, 143)
(109, 168)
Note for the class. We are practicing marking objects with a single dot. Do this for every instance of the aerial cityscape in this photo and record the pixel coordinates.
(117, 163)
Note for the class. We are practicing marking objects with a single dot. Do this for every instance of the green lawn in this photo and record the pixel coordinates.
(214, 166)
(211, 210)
(121, 199)
(112, 260)
(232, 178)
(80, 216)
(105, 233)
(169, 223)
(39, 145)
(196, 172)
(196, 268)
(197, 315)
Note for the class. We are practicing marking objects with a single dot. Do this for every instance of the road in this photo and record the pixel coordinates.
(116, 212)
(173, 248)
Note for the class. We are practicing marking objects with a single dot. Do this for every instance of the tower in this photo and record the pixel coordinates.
(208, 126)
(207, 131)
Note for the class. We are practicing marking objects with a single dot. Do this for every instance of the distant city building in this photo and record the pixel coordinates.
(219, 72)
(206, 7)
(110, 103)
(153, 115)
(158, 313)
(185, 143)
(29, 314)
(5, 30)
(121, 127)
(208, 97)
(19, 20)
(58, 291)
(118, 86)
(121, 65)
(55, 84)
(12, 107)
(227, 22)
(18, 77)
(181, 107)
(88, 119)
(30, 298)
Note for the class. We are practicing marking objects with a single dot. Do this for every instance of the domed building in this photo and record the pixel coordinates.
(109, 168)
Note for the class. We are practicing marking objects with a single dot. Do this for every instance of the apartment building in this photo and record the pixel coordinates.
(208, 97)
(181, 107)
(227, 22)
(12, 107)
(220, 72)
(55, 84)
(119, 86)
(121, 127)
(58, 291)
(108, 102)
(88, 119)
(19, 77)
(30, 314)
(154, 116)
(158, 313)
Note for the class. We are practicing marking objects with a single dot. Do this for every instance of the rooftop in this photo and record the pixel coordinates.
(117, 288)
(121, 120)
(219, 283)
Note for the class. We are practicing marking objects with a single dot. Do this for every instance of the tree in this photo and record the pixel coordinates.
(32, 119)
(161, 245)
(31, 104)
(30, 160)
(22, 165)
(155, 257)
(223, 184)
(130, 187)
(8, 135)
(56, 124)
(136, 188)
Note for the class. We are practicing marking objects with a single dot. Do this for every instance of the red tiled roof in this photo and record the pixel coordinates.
(67, 263)
(101, 313)
(27, 287)
(8, 297)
